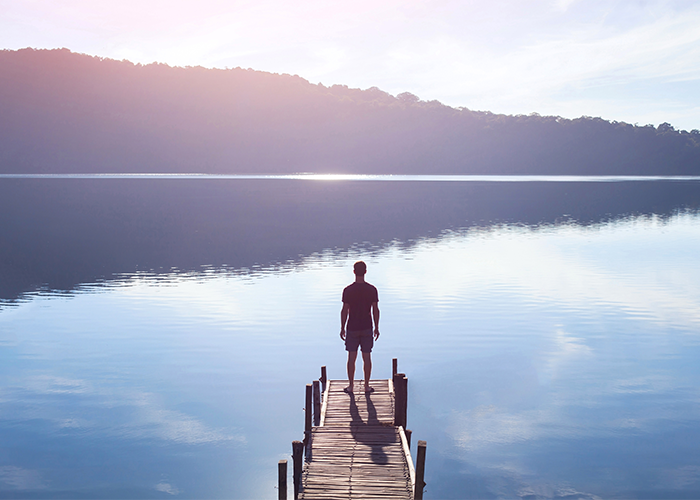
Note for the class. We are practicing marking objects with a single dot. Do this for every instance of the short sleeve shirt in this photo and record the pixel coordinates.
(360, 297)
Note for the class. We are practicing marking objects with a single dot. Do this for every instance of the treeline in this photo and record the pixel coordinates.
(62, 112)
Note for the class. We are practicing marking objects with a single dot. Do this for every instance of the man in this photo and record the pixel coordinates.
(360, 307)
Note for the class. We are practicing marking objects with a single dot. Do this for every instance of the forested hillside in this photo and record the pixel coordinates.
(62, 112)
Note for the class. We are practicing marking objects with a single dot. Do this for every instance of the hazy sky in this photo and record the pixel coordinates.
(629, 60)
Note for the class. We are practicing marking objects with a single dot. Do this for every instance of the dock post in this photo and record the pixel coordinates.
(400, 400)
(401, 390)
(282, 479)
(317, 403)
(323, 379)
(420, 470)
(394, 367)
(308, 410)
(408, 433)
(297, 453)
(404, 408)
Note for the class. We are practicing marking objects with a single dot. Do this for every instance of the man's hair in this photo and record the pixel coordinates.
(360, 268)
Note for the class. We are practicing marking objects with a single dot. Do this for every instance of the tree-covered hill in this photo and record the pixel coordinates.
(62, 112)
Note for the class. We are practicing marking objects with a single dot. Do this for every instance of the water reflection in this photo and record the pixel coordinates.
(546, 359)
(585, 369)
(61, 233)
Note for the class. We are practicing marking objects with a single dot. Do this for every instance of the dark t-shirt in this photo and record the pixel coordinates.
(360, 297)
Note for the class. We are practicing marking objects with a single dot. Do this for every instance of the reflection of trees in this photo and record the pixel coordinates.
(61, 233)
(64, 112)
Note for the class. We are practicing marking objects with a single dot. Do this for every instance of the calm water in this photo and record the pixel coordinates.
(156, 335)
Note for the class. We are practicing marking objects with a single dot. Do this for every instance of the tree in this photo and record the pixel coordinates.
(407, 97)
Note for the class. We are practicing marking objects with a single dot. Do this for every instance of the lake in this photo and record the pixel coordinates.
(156, 334)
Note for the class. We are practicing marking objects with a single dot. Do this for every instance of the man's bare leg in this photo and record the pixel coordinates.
(352, 357)
(367, 365)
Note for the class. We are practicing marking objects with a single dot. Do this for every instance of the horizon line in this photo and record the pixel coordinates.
(364, 177)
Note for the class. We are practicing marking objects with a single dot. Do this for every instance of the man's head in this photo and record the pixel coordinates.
(360, 268)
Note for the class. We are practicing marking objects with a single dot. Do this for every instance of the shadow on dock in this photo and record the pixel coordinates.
(357, 446)
(366, 432)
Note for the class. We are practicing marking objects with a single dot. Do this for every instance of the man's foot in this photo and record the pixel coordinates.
(369, 389)
(348, 390)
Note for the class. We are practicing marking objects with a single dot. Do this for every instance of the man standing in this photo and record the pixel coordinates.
(360, 307)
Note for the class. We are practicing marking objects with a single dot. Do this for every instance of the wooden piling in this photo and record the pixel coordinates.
(282, 480)
(317, 402)
(408, 433)
(309, 411)
(401, 399)
(404, 409)
(298, 458)
(398, 400)
(394, 367)
(420, 470)
(323, 379)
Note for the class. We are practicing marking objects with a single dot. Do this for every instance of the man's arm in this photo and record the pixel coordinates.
(343, 319)
(375, 316)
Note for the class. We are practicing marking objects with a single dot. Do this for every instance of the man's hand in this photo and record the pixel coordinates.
(344, 312)
(375, 319)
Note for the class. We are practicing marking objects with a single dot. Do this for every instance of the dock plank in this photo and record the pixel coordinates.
(357, 453)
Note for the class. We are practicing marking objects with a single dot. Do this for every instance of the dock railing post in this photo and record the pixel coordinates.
(404, 408)
(297, 454)
(400, 401)
(323, 379)
(317, 403)
(397, 398)
(308, 410)
(394, 367)
(408, 433)
(420, 470)
(282, 480)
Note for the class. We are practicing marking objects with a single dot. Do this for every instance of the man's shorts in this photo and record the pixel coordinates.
(362, 338)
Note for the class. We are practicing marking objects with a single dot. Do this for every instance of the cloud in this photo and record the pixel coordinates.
(47, 384)
(563, 267)
(559, 67)
(18, 478)
(141, 415)
(485, 426)
(682, 477)
(561, 57)
(150, 421)
(167, 488)
(547, 491)
(563, 5)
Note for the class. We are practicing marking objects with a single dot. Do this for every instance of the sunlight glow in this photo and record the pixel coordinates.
(627, 61)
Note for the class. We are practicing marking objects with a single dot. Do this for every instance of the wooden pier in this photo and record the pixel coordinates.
(356, 445)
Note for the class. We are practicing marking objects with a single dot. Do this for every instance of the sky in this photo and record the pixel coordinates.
(636, 61)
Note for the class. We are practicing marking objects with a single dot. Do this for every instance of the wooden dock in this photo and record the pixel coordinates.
(355, 449)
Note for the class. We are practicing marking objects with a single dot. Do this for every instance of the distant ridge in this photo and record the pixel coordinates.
(62, 112)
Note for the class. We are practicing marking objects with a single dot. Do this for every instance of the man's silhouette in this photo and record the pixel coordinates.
(360, 307)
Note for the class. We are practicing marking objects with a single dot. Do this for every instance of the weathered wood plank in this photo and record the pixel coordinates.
(357, 452)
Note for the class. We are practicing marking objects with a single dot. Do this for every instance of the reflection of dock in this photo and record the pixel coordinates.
(357, 446)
